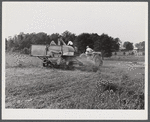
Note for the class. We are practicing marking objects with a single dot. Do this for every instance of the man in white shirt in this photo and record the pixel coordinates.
(88, 50)
(70, 43)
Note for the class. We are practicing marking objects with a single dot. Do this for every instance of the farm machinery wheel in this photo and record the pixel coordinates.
(98, 61)
(44, 63)
(66, 66)
(70, 65)
(47, 64)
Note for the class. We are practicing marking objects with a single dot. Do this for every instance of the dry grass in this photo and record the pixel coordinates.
(127, 58)
(113, 86)
(20, 60)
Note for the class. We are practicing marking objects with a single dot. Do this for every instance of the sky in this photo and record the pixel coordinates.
(126, 20)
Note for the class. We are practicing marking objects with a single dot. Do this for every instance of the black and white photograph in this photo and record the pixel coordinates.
(75, 60)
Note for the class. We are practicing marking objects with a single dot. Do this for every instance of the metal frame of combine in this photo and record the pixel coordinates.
(66, 62)
(62, 55)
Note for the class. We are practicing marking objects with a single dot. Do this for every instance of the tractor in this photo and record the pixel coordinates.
(62, 55)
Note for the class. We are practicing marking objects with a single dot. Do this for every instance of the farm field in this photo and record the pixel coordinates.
(116, 85)
(126, 58)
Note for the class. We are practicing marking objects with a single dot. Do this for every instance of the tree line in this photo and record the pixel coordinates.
(129, 46)
(103, 43)
(140, 45)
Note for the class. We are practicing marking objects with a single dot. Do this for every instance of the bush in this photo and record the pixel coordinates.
(12, 49)
(124, 95)
(143, 53)
(25, 51)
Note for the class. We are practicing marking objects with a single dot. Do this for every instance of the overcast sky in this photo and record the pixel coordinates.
(125, 20)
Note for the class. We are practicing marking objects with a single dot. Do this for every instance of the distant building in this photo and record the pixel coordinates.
(135, 51)
(138, 52)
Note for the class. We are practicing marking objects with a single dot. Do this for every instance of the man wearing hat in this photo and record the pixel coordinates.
(88, 50)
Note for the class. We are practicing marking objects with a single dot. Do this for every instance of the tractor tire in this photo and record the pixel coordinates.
(98, 61)
(44, 64)
(70, 66)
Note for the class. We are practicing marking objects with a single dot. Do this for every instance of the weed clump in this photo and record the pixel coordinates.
(128, 94)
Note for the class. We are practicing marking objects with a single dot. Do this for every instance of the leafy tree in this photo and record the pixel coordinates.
(128, 45)
(125, 44)
(116, 44)
(82, 41)
(42, 38)
(21, 41)
(10, 44)
(54, 37)
(106, 45)
(140, 45)
(143, 45)
(103, 43)
(68, 36)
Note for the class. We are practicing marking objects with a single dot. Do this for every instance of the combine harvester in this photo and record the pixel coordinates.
(62, 55)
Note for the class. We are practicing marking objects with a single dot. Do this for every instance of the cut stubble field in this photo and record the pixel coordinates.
(116, 85)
